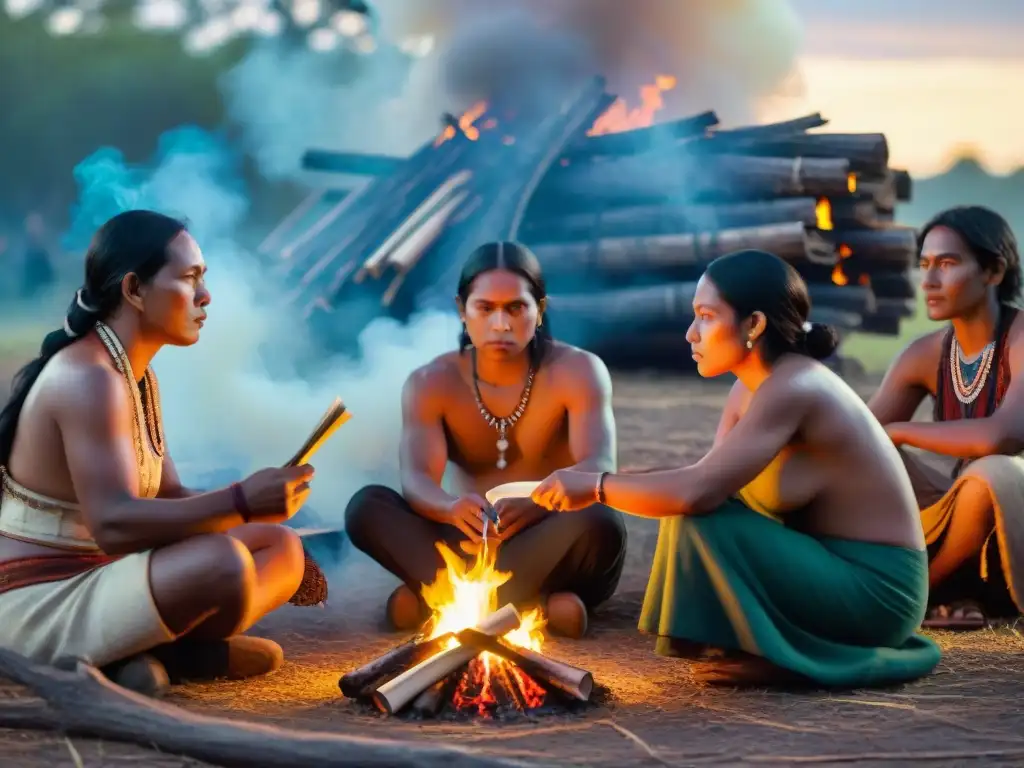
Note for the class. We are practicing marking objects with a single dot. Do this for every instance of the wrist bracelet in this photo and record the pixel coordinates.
(599, 490)
(241, 505)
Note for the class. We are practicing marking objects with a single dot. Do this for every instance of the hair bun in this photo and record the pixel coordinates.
(820, 341)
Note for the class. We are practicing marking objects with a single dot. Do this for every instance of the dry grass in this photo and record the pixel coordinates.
(968, 711)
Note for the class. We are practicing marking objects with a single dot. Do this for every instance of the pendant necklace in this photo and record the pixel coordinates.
(503, 425)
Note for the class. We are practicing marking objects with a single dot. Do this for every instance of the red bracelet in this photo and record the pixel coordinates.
(241, 505)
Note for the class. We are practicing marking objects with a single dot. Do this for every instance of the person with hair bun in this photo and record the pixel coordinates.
(973, 369)
(792, 552)
(104, 555)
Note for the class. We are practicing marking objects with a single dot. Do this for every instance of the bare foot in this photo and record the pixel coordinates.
(746, 670)
(961, 615)
(405, 611)
(566, 615)
(142, 673)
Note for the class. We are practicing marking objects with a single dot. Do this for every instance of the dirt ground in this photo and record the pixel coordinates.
(969, 711)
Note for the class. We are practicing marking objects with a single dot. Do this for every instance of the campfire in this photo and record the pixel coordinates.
(471, 656)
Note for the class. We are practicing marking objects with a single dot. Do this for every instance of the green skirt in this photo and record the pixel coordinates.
(842, 613)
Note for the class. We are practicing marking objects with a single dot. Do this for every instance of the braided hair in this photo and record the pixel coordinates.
(133, 242)
(989, 238)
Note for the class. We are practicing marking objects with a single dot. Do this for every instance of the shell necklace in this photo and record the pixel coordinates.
(503, 425)
(967, 391)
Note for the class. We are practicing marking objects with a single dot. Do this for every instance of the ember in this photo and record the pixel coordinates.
(471, 657)
(462, 597)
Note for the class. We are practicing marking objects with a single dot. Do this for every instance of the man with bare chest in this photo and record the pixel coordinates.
(511, 405)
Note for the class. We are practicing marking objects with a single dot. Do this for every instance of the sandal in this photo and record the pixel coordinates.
(962, 615)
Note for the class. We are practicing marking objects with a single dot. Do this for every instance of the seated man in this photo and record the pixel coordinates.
(103, 554)
(974, 370)
(511, 404)
(835, 599)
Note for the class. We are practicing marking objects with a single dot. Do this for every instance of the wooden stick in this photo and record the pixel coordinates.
(573, 681)
(361, 682)
(83, 702)
(430, 702)
(559, 224)
(617, 255)
(395, 694)
(687, 177)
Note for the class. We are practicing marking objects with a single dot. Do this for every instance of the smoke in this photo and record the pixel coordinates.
(238, 399)
(243, 397)
(727, 55)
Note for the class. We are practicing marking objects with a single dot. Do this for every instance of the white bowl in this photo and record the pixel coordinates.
(519, 490)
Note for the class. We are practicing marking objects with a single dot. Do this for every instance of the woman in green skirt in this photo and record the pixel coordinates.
(793, 551)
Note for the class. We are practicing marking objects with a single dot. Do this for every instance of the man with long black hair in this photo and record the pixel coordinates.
(511, 404)
(973, 368)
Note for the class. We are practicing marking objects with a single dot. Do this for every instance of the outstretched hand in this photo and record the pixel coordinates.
(567, 490)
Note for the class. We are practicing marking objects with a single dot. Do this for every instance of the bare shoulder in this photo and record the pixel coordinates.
(429, 382)
(577, 368)
(922, 351)
(80, 381)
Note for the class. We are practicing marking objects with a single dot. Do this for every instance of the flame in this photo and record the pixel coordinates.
(823, 213)
(838, 275)
(619, 117)
(466, 124)
(851, 182)
(462, 596)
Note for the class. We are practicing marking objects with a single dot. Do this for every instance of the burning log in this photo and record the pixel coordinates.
(641, 140)
(687, 177)
(866, 152)
(572, 681)
(394, 695)
(360, 683)
(893, 246)
(792, 241)
(669, 219)
(429, 702)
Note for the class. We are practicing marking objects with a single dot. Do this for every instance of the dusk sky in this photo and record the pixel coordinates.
(936, 76)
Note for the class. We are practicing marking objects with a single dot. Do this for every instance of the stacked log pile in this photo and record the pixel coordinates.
(623, 223)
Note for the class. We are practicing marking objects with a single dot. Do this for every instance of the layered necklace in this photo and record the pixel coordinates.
(505, 424)
(969, 378)
(146, 397)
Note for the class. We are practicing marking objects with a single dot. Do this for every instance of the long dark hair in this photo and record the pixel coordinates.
(133, 242)
(989, 238)
(757, 281)
(513, 257)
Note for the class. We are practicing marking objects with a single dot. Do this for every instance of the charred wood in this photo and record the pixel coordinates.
(353, 163)
(555, 675)
(361, 682)
(625, 312)
(668, 219)
(791, 241)
(641, 140)
(867, 152)
(691, 178)
(895, 246)
(775, 130)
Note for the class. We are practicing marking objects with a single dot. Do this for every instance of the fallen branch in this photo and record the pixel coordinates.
(84, 703)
